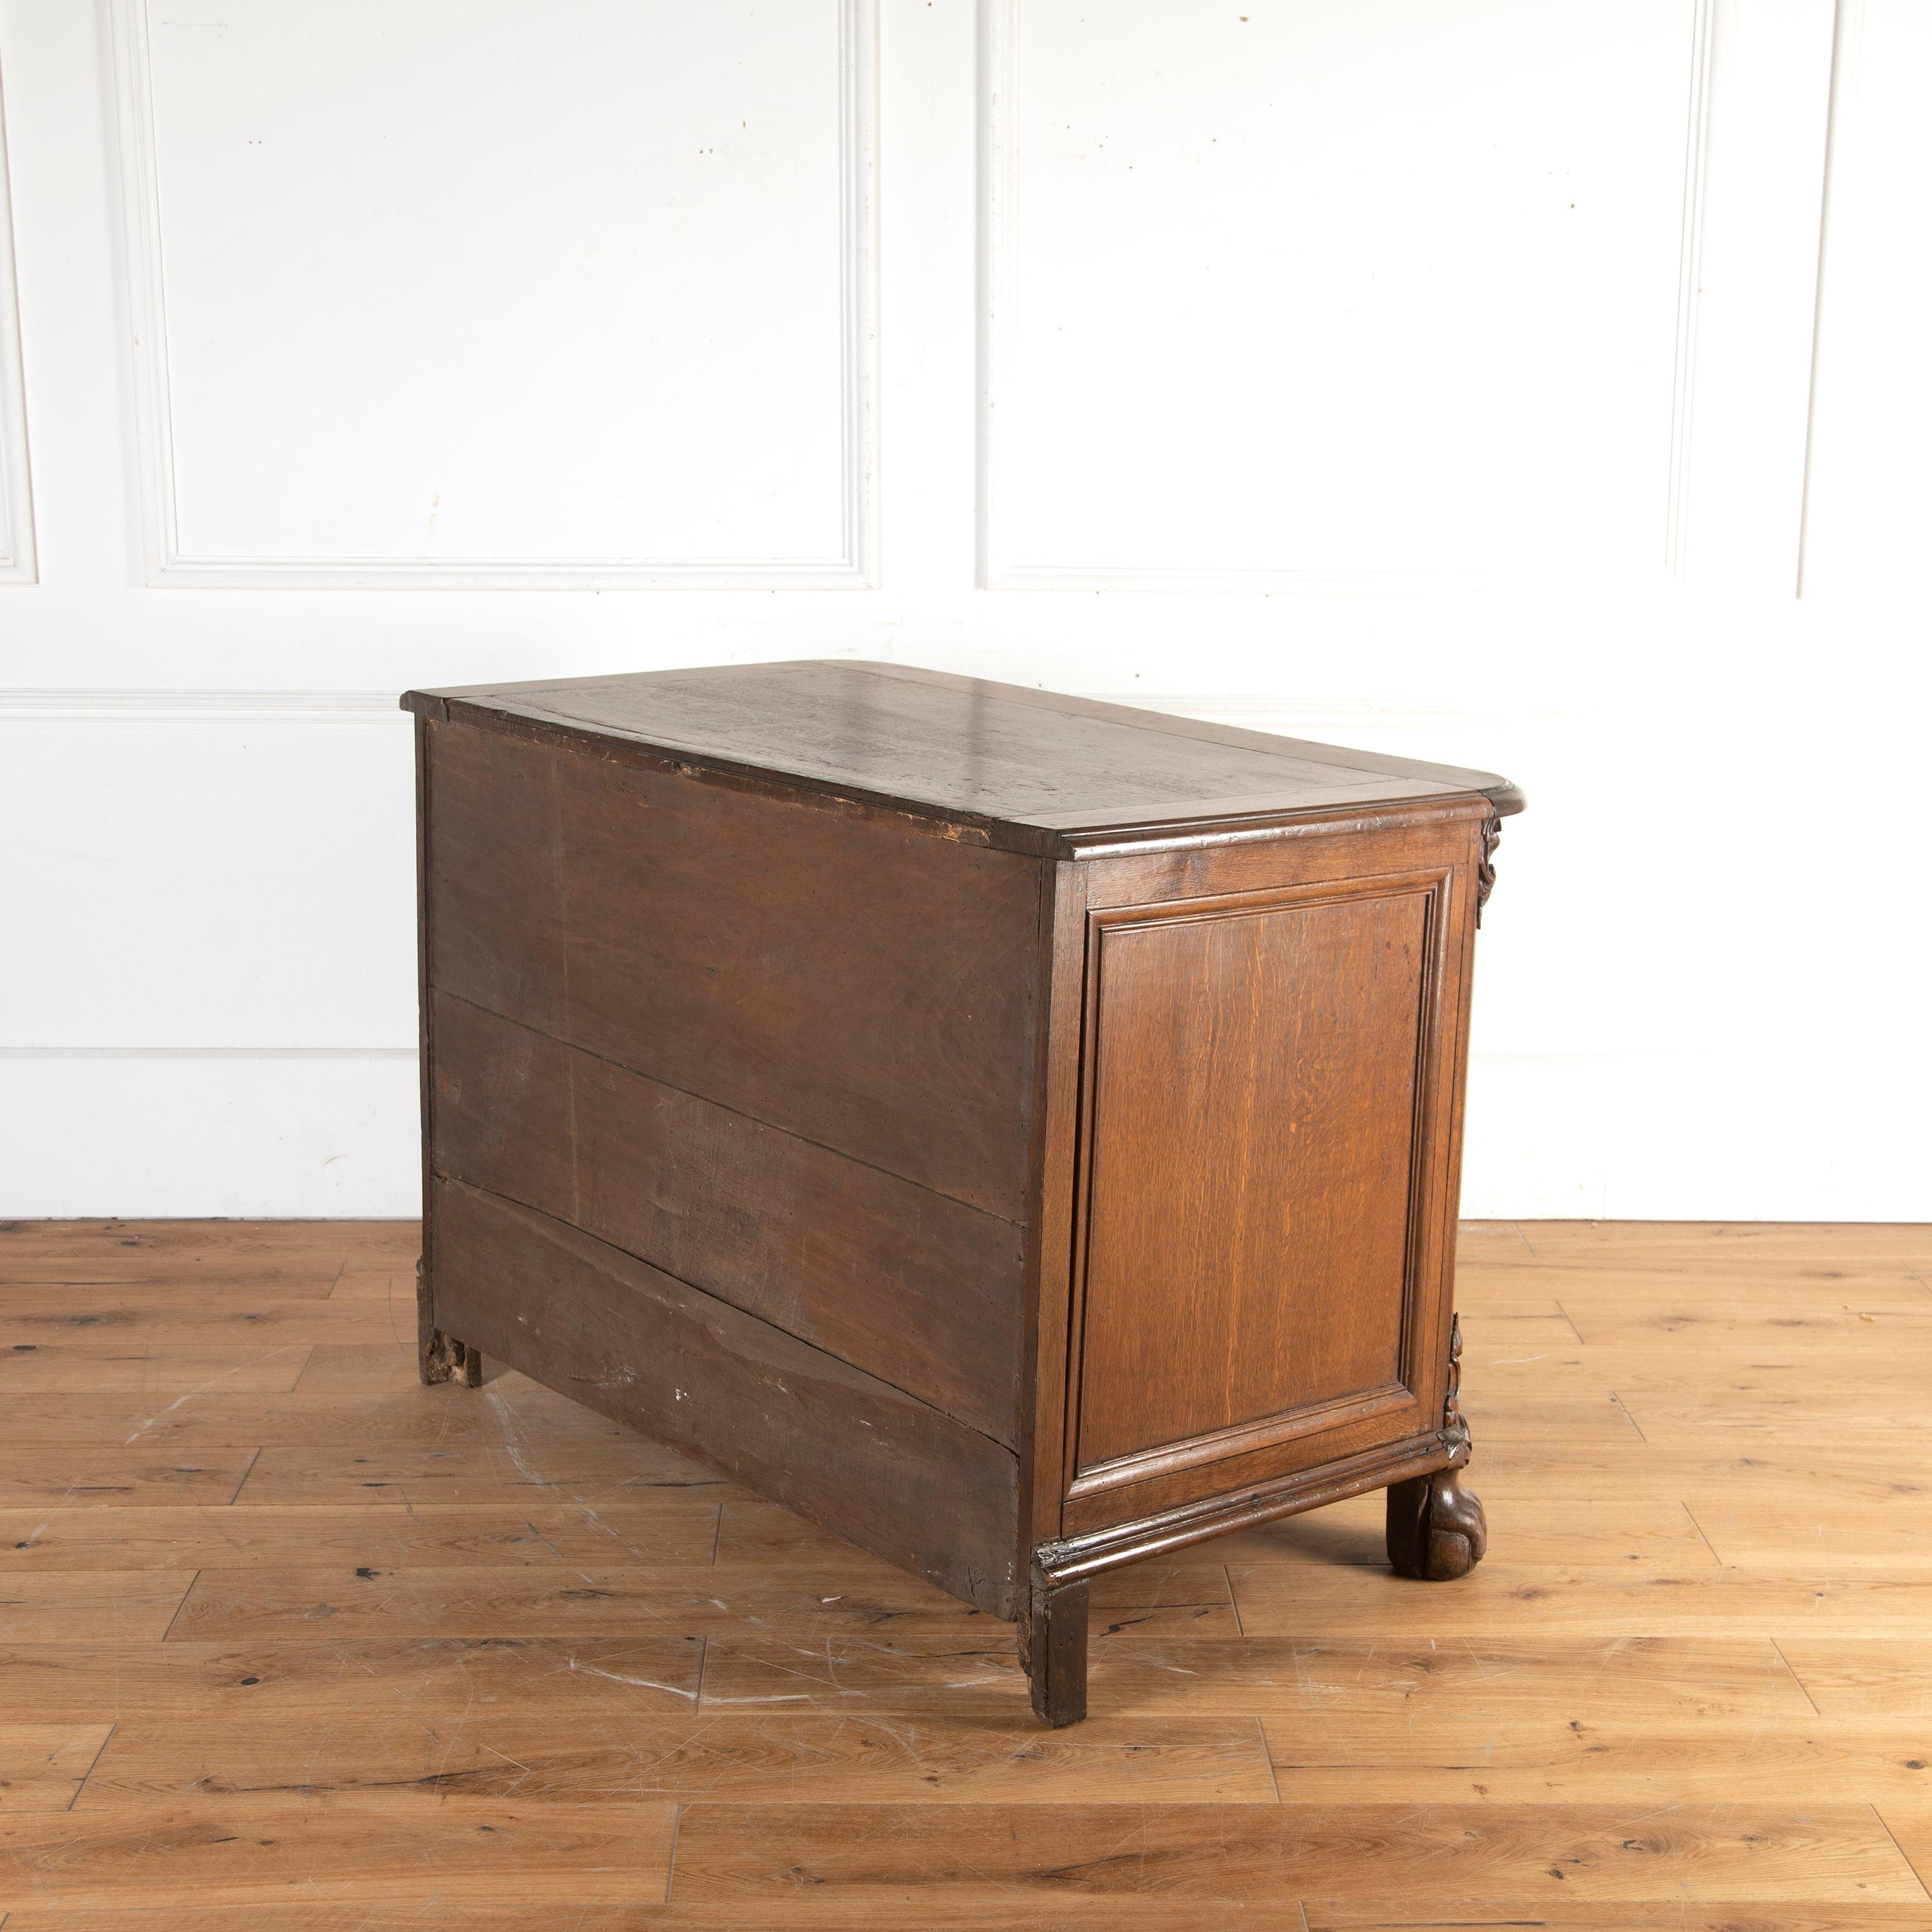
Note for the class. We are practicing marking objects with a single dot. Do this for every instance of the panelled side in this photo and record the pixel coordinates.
(1270, 1090)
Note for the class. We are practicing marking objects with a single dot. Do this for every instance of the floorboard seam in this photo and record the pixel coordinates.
(1802, 1685)
(181, 1606)
(1708, 1543)
(1900, 1850)
(1618, 1401)
(670, 1860)
(255, 1457)
(84, 1776)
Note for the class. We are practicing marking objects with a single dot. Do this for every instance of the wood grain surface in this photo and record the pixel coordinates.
(886, 1470)
(1003, 763)
(299, 1658)
(823, 1246)
(1250, 1202)
(789, 973)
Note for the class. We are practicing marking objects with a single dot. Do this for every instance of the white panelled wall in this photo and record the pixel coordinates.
(1539, 385)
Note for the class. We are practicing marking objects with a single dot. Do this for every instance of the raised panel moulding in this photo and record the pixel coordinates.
(17, 563)
(1001, 39)
(109, 706)
(170, 562)
(1690, 283)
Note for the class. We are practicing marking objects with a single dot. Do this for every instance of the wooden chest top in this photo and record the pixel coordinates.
(1023, 770)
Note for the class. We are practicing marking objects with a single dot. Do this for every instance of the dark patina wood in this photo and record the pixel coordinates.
(1020, 1133)
(828, 1248)
(1053, 1646)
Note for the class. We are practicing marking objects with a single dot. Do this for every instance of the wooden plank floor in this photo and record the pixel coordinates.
(287, 1641)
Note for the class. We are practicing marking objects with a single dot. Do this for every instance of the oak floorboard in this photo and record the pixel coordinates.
(676, 1530)
(43, 1766)
(555, 1913)
(1759, 1534)
(590, 1685)
(1910, 1826)
(370, 1366)
(84, 1477)
(1524, 1854)
(487, 1474)
(1715, 1288)
(1873, 1677)
(1829, 1315)
(1723, 1915)
(1476, 1241)
(317, 1682)
(537, 1600)
(394, 1288)
(1462, 1757)
(1828, 1368)
(156, 1375)
(744, 1756)
(313, 1270)
(216, 1852)
(110, 1319)
(95, 1607)
(1708, 1245)
(1502, 1598)
(188, 1242)
(1664, 1680)
(217, 1418)
(1114, 1913)
(1863, 1477)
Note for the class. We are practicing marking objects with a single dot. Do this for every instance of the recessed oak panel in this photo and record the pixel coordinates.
(1253, 1118)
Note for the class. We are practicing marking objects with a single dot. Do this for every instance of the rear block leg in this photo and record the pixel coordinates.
(1053, 1646)
(442, 1357)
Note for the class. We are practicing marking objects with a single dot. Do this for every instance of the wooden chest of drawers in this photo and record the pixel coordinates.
(1021, 1134)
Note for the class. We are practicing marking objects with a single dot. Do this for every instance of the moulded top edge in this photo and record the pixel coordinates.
(1024, 767)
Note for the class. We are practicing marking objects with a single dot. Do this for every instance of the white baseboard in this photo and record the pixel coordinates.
(328, 1135)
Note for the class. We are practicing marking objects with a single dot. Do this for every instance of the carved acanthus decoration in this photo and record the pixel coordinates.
(1455, 1430)
(1485, 870)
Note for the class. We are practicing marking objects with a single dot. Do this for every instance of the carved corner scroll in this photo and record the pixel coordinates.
(1485, 868)
(1455, 1428)
(1436, 1530)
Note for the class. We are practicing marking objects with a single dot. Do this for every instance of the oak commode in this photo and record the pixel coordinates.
(1021, 1134)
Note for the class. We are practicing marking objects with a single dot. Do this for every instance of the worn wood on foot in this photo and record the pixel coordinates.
(1436, 1528)
(1053, 1639)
